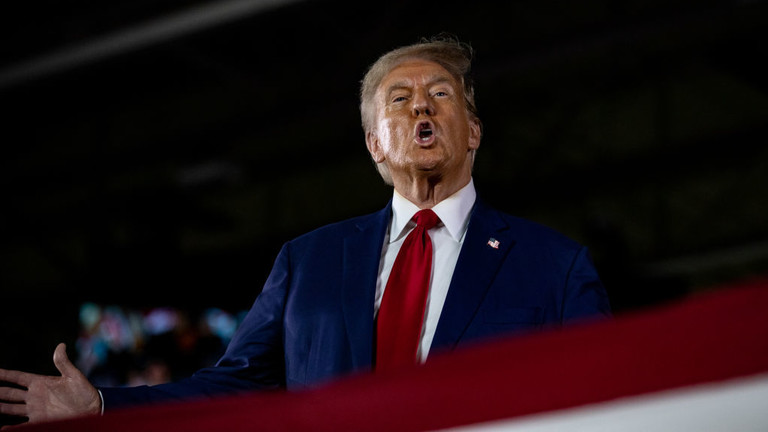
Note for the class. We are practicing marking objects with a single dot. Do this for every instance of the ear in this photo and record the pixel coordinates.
(374, 147)
(475, 133)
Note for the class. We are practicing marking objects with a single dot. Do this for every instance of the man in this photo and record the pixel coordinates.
(334, 302)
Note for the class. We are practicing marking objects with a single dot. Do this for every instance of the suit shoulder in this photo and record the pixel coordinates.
(339, 230)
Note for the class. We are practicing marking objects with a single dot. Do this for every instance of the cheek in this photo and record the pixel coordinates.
(463, 133)
(385, 136)
(391, 135)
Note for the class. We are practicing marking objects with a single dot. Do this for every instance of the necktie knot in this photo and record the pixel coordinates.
(426, 219)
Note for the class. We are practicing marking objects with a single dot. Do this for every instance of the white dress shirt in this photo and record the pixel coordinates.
(447, 237)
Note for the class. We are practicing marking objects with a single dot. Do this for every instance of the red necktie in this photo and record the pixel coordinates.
(401, 314)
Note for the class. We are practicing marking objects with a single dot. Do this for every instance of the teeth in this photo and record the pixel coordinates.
(425, 132)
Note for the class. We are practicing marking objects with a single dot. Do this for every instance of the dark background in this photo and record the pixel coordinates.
(158, 153)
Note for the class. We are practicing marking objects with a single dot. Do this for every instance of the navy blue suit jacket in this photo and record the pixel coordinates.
(314, 320)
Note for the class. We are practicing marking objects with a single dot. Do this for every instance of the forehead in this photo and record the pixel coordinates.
(414, 72)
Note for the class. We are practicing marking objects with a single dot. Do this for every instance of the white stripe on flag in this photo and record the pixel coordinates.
(734, 405)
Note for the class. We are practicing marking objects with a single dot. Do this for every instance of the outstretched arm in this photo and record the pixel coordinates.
(49, 397)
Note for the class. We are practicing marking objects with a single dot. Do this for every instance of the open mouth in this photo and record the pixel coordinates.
(424, 131)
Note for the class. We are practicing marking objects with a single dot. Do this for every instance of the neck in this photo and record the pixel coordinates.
(427, 192)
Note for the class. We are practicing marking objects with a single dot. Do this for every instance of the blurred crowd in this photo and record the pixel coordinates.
(119, 346)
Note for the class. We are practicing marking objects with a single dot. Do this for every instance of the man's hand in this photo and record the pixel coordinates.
(48, 398)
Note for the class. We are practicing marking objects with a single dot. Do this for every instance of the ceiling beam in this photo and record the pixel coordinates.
(155, 31)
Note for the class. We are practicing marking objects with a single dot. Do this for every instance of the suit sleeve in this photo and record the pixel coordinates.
(585, 297)
(254, 359)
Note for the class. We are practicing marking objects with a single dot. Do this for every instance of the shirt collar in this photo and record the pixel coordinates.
(453, 213)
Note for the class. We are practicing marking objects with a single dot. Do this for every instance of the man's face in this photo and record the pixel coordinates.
(422, 126)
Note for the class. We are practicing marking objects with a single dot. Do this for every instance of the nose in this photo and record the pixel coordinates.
(422, 104)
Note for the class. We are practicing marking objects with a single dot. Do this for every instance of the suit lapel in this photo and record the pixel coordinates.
(362, 253)
(476, 268)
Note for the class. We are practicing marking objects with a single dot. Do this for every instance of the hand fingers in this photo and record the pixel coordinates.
(13, 409)
(16, 377)
(9, 394)
(62, 362)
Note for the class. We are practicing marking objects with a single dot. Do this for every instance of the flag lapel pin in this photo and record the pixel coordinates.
(492, 242)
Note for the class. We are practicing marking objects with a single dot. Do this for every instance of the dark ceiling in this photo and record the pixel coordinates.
(159, 152)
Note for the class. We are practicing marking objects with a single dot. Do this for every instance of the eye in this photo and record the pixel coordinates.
(441, 93)
(398, 97)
